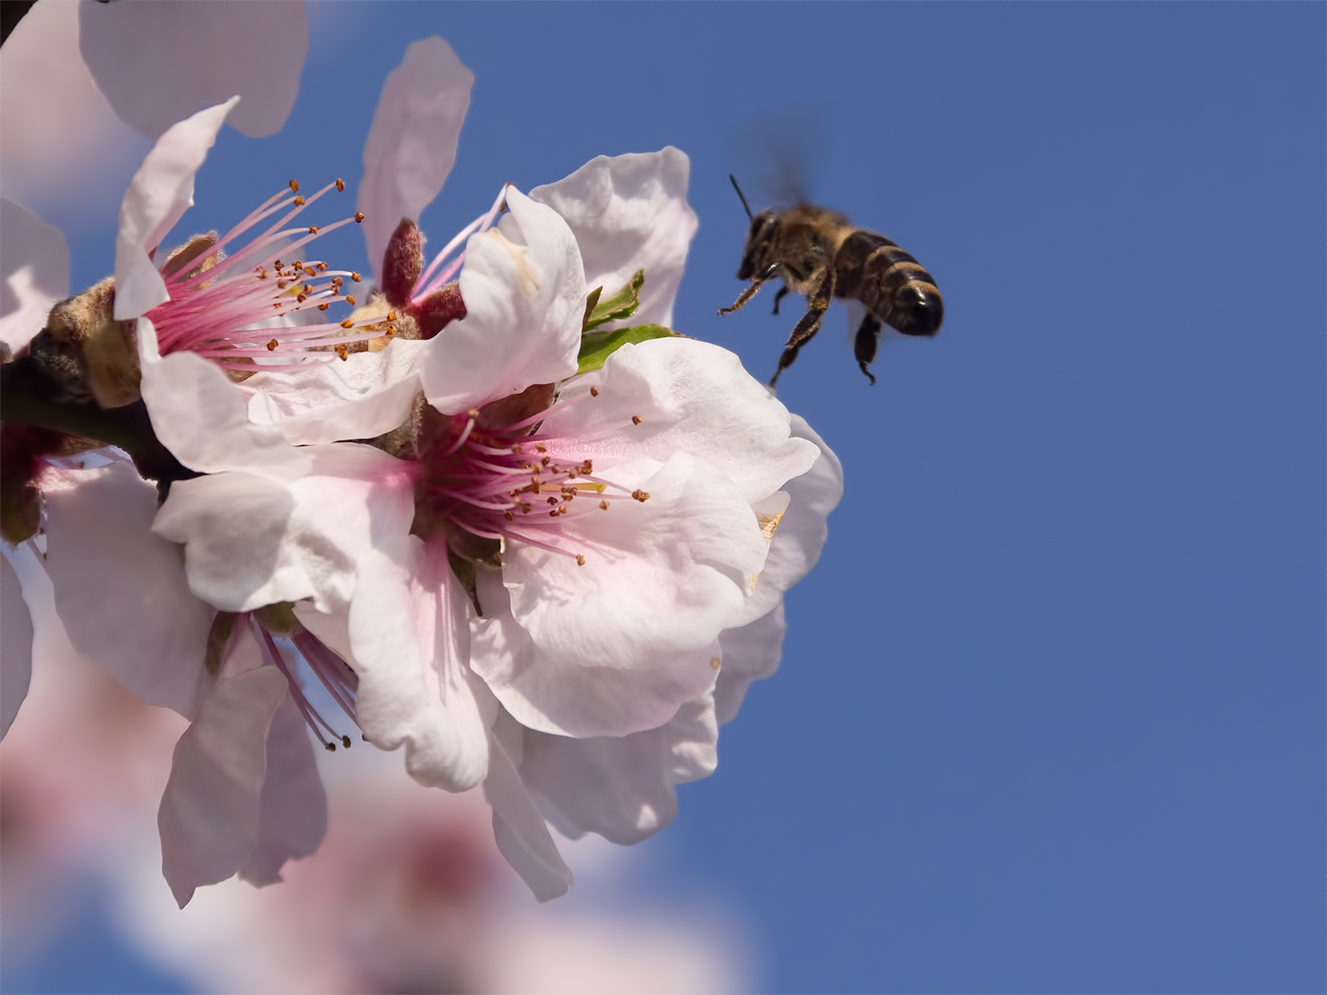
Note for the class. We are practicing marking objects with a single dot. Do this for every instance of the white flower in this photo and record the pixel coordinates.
(244, 795)
(606, 616)
(158, 63)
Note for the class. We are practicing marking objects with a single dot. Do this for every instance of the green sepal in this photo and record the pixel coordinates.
(278, 619)
(598, 346)
(218, 639)
(622, 304)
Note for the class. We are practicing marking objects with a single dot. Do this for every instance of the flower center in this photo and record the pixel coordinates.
(486, 475)
(223, 306)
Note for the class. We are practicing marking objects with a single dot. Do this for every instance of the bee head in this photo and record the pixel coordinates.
(760, 240)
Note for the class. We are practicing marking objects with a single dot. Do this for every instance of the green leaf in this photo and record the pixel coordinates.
(598, 346)
(622, 304)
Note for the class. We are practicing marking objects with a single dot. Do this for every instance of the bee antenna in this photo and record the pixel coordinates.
(739, 193)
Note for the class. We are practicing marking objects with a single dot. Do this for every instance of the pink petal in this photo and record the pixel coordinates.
(158, 62)
(120, 590)
(524, 293)
(292, 810)
(209, 816)
(412, 142)
(15, 646)
(410, 640)
(161, 191)
(34, 273)
(520, 830)
(630, 212)
(750, 653)
(622, 787)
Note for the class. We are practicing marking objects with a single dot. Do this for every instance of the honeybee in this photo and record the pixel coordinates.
(819, 254)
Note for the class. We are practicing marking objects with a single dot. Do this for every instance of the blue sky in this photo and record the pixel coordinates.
(1050, 716)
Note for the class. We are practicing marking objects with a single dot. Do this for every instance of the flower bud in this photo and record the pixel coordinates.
(402, 263)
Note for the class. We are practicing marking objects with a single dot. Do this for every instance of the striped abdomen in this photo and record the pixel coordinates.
(891, 283)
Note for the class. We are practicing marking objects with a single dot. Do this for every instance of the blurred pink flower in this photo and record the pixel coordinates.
(159, 62)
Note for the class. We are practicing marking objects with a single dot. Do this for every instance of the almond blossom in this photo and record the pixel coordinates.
(628, 509)
(508, 518)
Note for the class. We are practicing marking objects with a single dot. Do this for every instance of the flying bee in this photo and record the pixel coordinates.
(819, 254)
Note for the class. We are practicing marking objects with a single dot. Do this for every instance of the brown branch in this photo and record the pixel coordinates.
(11, 12)
(27, 397)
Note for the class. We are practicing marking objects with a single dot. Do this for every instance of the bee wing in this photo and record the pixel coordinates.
(856, 315)
(780, 164)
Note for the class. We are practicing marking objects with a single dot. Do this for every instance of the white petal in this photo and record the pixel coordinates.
(161, 191)
(524, 292)
(630, 212)
(120, 590)
(617, 645)
(157, 63)
(252, 541)
(750, 653)
(412, 142)
(203, 418)
(15, 646)
(60, 141)
(690, 397)
(410, 640)
(34, 273)
(622, 787)
(209, 814)
(292, 809)
(520, 830)
(366, 395)
(801, 531)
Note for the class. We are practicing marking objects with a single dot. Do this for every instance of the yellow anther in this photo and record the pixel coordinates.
(299, 201)
(635, 419)
(350, 300)
(340, 185)
(342, 351)
(603, 505)
(271, 346)
(294, 186)
(580, 560)
(355, 277)
(359, 216)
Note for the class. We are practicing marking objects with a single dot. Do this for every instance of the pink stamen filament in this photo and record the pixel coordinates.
(217, 312)
(498, 484)
(316, 655)
(427, 284)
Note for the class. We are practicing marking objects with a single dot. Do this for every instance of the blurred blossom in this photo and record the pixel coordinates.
(81, 771)
(417, 899)
(159, 61)
(61, 145)
(34, 273)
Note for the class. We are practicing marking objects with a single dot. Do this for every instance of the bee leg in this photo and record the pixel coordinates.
(868, 339)
(805, 331)
(783, 292)
(770, 273)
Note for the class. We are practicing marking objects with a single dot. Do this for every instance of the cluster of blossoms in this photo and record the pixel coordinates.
(490, 509)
